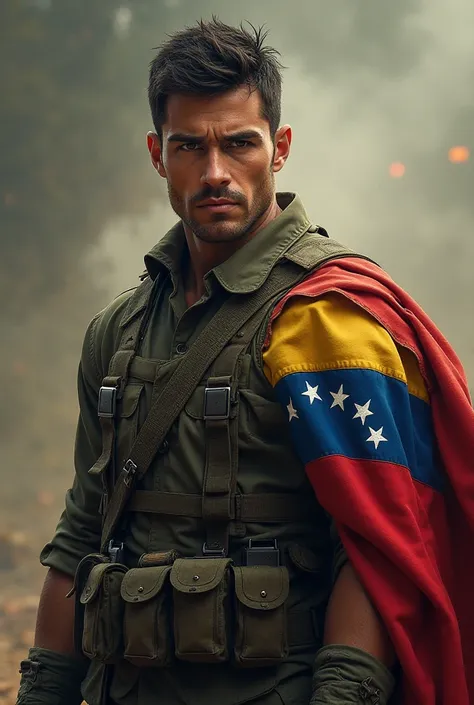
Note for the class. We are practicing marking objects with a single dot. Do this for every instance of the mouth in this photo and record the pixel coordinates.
(217, 205)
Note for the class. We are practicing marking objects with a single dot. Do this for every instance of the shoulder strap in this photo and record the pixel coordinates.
(315, 249)
(131, 328)
(232, 315)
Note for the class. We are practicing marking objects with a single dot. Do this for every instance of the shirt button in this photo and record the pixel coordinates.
(181, 348)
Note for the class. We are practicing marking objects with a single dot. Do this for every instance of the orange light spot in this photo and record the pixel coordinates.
(458, 154)
(397, 170)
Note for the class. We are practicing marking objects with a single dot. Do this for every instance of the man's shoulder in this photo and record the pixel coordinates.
(105, 330)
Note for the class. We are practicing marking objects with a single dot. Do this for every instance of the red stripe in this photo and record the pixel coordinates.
(398, 555)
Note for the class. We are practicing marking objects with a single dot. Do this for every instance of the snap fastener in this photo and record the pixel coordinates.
(140, 589)
(164, 448)
(195, 578)
(181, 348)
(263, 593)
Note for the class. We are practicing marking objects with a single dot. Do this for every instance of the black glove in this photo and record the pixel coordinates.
(344, 675)
(50, 678)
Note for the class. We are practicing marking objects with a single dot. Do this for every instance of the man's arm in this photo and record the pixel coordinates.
(55, 620)
(352, 620)
(360, 422)
(77, 534)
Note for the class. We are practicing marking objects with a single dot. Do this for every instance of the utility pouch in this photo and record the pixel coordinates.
(147, 625)
(201, 603)
(103, 613)
(261, 637)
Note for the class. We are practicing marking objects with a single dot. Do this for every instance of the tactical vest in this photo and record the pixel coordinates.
(247, 576)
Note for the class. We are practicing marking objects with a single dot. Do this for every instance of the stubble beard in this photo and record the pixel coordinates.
(223, 230)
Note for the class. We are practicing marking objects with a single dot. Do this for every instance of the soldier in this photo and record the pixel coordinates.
(271, 463)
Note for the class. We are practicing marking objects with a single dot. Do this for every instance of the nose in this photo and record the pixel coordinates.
(215, 172)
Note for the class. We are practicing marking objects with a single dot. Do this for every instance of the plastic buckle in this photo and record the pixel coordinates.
(265, 552)
(129, 469)
(115, 552)
(216, 403)
(107, 403)
(213, 551)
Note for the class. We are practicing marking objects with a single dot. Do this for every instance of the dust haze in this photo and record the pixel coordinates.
(368, 84)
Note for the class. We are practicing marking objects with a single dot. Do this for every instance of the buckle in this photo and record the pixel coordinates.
(115, 551)
(107, 403)
(213, 550)
(265, 552)
(129, 469)
(216, 403)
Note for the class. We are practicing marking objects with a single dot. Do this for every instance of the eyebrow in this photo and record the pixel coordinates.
(236, 136)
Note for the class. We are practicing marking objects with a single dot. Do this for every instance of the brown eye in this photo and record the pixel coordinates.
(240, 144)
(190, 146)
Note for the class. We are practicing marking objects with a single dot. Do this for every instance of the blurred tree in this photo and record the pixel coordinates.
(73, 116)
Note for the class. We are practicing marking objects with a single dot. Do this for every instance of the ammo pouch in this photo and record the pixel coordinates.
(103, 613)
(201, 609)
(261, 637)
(146, 593)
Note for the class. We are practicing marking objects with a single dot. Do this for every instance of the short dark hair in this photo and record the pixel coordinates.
(212, 58)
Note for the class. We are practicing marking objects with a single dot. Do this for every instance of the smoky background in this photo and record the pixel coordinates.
(380, 98)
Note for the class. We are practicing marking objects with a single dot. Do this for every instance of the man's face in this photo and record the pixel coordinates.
(219, 160)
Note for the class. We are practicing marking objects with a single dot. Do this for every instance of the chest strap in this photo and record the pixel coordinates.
(221, 421)
(113, 385)
(252, 508)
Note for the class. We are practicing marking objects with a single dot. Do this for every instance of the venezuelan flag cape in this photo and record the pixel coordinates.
(380, 414)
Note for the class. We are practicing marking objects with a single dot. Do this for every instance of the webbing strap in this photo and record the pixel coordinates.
(222, 442)
(220, 470)
(232, 315)
(258, 508)
(113, 385)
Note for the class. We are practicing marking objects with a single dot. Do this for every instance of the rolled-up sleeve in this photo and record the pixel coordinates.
(79, 528)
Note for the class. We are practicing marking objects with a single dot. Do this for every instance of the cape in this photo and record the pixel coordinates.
(417, 567)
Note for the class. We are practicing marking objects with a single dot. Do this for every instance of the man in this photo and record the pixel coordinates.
(272, 497)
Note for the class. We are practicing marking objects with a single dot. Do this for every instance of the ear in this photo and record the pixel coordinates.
(283, 138)
(156, 152)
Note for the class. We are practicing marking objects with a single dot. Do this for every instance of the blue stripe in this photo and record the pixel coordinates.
(403, 420)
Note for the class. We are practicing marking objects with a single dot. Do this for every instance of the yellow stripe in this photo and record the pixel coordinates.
(330, 333)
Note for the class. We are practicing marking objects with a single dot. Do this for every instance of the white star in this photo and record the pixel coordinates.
(311, 393)
(339, 398)
(363, 411)
(292, 411)
(376, 437)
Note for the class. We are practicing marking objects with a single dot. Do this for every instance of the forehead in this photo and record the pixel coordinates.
(230, 112)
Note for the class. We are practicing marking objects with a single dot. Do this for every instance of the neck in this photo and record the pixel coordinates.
(204, 256)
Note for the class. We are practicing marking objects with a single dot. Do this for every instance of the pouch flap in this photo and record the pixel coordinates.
(141, 584)
(198, 574)
(95, 579)
(262, 587)
(131, 396)
(304, 558)
(83, 570)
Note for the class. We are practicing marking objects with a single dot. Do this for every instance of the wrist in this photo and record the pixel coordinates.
(51, 678)
(346, 674)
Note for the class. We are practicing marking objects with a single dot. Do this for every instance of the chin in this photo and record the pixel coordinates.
(221, 231)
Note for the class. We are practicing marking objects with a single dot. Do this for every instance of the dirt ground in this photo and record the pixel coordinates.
(21, 577)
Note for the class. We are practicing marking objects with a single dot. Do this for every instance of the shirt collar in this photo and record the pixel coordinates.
(246, 270)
